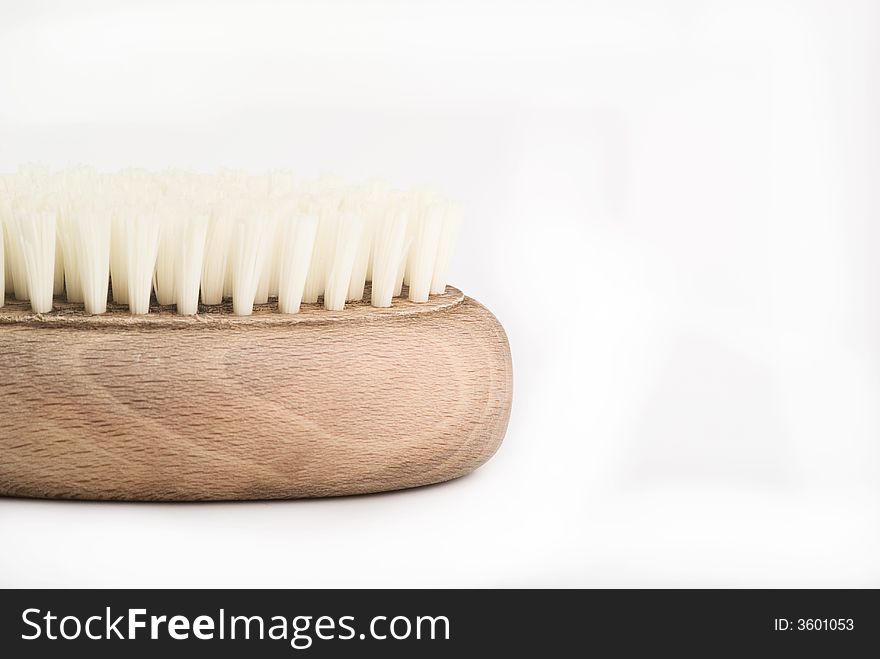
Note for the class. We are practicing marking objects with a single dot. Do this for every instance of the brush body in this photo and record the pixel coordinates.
(165, 407)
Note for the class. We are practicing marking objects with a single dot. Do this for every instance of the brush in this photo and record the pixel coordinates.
(184, 336)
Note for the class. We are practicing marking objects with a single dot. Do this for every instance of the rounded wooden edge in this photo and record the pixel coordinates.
(476, 449)
(72, 316)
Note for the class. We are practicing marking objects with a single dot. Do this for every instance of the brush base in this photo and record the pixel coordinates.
(216, 407)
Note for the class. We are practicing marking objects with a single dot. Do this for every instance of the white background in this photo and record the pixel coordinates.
(671, 206)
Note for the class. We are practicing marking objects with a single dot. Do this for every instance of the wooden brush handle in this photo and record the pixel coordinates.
(217, 407)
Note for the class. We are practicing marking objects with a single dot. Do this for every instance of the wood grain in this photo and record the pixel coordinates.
(217, 407)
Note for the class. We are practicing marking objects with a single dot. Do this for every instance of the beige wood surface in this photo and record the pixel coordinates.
(217, 407)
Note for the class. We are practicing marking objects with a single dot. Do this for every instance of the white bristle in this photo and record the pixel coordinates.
(417, 204)
(58, 286)
(389, 254)
(188, 237)
(88, 232)
(2, 265)
(263, 285)
(227, 277)
(298, 243)
(283, 205)
(269, 228)
(380, 197)
(275, 254)
(216, 257)
(35, 229)
(325, 243)
(246, 258)
(188, 264)
(358, 279)
(423, 253)
(17, 272)
(448, 235)
(7, 264)
(72, 284)
(118, 267)
(349, 231)
(140, 243)
(398, 285)
(166, 257)
(5, 196)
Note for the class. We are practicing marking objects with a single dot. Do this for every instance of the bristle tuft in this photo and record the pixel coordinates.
(178, 238)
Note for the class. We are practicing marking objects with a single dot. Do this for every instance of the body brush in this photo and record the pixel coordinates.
(179, 336)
